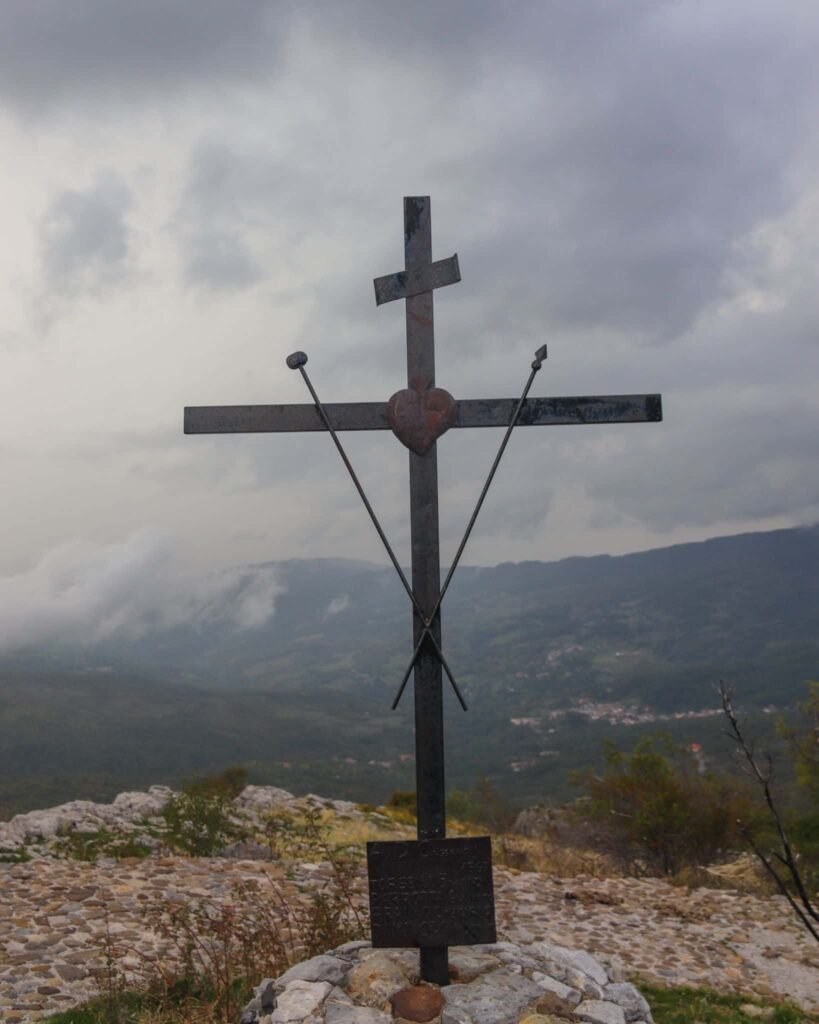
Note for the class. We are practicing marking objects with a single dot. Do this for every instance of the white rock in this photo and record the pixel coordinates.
(344, 806)
(314, 800)
(338, 995)
(264, 798)
(576, 958)
(377, 977)
(617, 971)
(564, 992)
(339, 1014)
(466, 964)
(136, 806)
(319, 968)
(299, 1000)
(347, 948)
(630, 999)
(83, 816)
(596, 1011)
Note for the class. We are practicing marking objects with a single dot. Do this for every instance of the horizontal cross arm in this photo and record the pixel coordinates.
(407, 283)
(480, 412)
(273, 419)
(541, 412)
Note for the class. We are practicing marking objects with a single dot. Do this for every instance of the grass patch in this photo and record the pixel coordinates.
(668, 1005)
(550, 858)
(705, 1006)
(90, 846)
(355, 833)
(14, 857)
(127, 1009)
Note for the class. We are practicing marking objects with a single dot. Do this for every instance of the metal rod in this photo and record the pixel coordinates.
(540, 355)
(296, 361)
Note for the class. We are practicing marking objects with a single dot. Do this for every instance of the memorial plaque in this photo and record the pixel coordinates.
(431, 892)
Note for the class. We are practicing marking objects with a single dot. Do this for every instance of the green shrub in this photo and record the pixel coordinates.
(656, 814)
(484, 805)
(199, 825)
(201, 820)
(402, 800)
(228, 784)
(14, 856)
(90, 846)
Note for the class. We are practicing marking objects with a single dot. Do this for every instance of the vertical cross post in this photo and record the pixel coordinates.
(426, 566)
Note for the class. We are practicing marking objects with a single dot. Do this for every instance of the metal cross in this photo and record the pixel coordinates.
(418, 416)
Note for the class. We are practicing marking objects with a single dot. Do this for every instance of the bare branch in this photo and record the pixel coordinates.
(786, 854)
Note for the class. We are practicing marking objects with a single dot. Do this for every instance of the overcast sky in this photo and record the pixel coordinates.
(194, 190)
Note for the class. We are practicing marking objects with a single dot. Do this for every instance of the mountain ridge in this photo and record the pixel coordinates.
(579, 649)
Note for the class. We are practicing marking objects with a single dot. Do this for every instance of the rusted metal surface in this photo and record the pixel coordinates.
(415, 280)
(470, 412)
(561, 411)
(436, 892)
(418, 418)
(275, 419)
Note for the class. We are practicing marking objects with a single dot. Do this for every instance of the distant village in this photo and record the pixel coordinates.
(615, 714)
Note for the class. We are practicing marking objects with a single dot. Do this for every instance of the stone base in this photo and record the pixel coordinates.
(503, 983)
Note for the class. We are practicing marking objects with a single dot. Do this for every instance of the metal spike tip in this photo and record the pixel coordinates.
(296, 359)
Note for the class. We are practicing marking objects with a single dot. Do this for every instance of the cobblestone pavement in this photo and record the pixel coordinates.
(55, 916)
(667, 935)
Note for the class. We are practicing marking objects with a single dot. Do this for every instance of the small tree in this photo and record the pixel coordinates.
(657, 814)
(201, 820)
(782, 862)
(484, 805)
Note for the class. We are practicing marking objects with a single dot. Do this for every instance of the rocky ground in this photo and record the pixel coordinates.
(57, 916)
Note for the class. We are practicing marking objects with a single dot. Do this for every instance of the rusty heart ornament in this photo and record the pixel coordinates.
(418, 416)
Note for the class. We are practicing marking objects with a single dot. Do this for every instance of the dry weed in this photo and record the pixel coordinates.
(550, 858)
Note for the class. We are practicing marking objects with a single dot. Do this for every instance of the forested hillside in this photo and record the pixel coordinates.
(552, 658)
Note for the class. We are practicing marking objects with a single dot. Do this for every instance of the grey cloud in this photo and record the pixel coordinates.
(85, 236)
(471, 36)
(337, 605)
(609, 192)
(740, 468)
(216, 211)
(53, 51)
(517, 510)
(598, 167)
(80, 593)
(240, 200)
(219, 259)
(622, 210)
